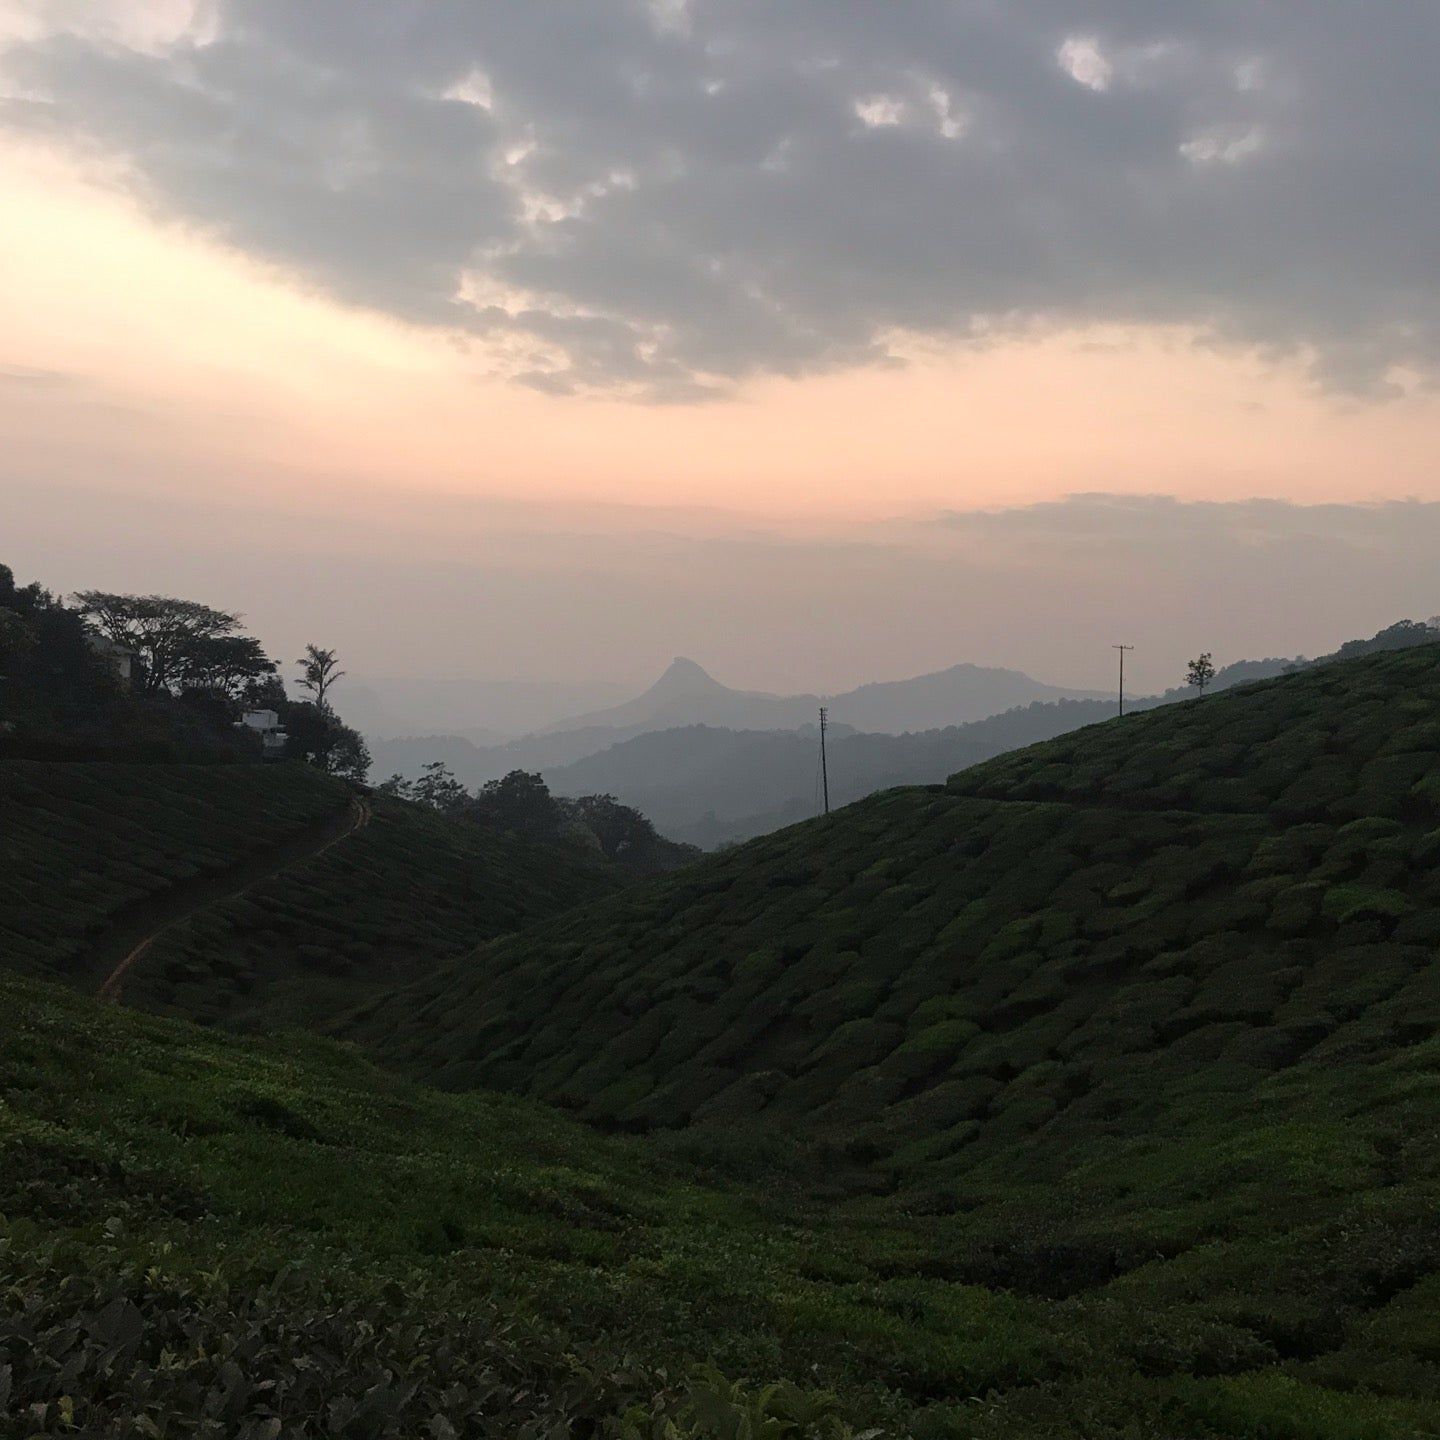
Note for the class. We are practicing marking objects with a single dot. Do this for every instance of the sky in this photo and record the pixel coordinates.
(821, 343)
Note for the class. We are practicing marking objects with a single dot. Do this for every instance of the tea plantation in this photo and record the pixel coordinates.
(201, 1234)
(1095, 1094)
(936, 976)
(278, 906)
(404, 892)
(81, 843)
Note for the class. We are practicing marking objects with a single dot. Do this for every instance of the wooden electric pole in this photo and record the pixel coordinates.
(1122, 649)
(824, 770)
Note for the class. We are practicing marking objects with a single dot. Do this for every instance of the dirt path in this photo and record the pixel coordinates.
(139, 926)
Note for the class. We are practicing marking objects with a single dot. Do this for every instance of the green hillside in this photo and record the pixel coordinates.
(275, 893)
(280, 1240)
(80, 844)
(1092, 1115)
(938, 975)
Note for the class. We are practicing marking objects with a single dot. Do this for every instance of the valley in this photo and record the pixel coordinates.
(1091, 1093)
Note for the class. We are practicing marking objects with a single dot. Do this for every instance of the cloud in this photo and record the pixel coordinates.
(1128, 519)
(687, 194)
(29, 377)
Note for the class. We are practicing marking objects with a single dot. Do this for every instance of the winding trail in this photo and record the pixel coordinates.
(135, 930)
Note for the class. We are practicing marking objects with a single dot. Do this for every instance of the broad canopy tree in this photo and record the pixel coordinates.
(181, 644)
(318, 737)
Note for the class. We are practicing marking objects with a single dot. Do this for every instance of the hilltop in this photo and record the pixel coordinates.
(686, 694)
(710, 786)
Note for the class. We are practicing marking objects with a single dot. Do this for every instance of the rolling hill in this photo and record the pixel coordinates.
(687, 695)
(1079, 941)
(279, 1237)
(270, 891)
(709, 786)
(711, 783)
(1090, 1095)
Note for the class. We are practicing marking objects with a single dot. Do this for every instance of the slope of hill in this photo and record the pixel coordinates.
(84, 843)
(258, 892)
(279, 1237)
(1125, 929)
(473, 765)
(707, 786)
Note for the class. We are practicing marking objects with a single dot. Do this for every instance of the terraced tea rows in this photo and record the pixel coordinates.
(935, 977)
(81, 843)
(408, 890)
(191, 1222)
(265, 903)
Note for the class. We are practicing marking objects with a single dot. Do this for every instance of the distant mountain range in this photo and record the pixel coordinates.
(687, 695)
(710, 786)
(712, 781)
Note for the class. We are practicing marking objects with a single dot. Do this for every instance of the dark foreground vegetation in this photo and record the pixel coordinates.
(96, 856)
(206, 1235)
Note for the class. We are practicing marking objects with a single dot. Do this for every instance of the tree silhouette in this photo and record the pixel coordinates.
(318, 673)
(176, 640)
(1200, 672)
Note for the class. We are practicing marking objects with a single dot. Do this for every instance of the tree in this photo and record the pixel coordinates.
(17, 635)
(440, 790)
(1200, 672)
(318, 673)
(226, 665)
(266, 692)
(436, 787)
(170, 636)
(520, 802)
(619, 830)
(51, 681)
(318, 737)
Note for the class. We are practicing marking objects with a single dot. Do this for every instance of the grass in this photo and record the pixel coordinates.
(174, 1199)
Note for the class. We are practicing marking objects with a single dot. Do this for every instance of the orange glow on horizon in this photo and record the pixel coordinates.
(192, 365)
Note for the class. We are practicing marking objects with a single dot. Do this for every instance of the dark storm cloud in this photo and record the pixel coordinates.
(666, 197)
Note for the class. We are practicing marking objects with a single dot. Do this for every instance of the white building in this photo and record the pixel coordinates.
(266, 724)
(120, 660)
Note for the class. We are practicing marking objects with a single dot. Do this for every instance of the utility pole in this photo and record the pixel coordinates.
(824, 771)
(1122, 649)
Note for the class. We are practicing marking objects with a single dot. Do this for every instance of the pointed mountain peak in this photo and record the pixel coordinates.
(684, 677)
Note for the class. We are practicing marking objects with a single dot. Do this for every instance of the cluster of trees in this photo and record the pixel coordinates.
(521, 804)
(51, 680)
(193, 671)
(196, 653)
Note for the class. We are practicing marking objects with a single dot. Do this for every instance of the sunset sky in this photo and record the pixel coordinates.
(821, 342)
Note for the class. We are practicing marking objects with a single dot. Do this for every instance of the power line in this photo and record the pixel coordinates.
(824, 769)
(1122, 649)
